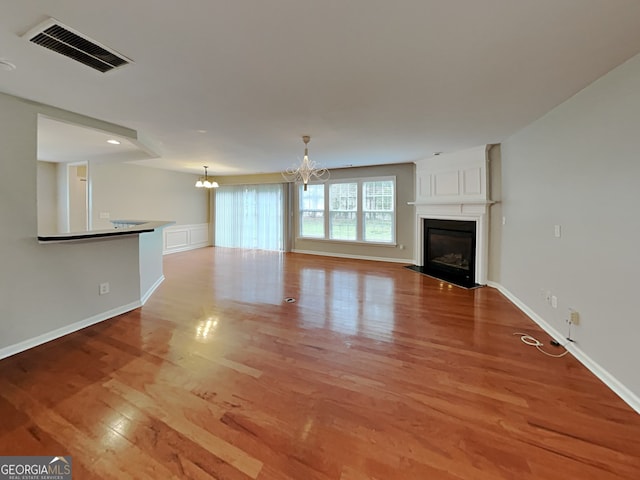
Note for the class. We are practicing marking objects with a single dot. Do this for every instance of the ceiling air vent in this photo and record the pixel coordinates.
(55, 36)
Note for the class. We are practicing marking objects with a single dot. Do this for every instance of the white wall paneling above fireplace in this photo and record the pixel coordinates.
(455, 187)
(457, 177)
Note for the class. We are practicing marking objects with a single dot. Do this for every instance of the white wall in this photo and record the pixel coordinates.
(78, 197)
(63, 198)
(48, 287)
(579, 167)
(47, 198)
(151, 275)
(134, 192)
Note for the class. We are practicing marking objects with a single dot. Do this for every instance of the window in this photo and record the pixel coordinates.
(312, 211)
(358, 210)
(378, 211)
(249, 216)
(343, 211)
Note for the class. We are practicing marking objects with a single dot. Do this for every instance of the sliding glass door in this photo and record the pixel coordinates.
(250, 216)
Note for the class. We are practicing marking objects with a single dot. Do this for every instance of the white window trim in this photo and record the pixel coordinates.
(359, 212)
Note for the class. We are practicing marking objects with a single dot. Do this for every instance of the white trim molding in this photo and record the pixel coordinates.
(152, 289)
(180, 238)
(79, 325)
(406, 261)
(607, 378)
(67, 329)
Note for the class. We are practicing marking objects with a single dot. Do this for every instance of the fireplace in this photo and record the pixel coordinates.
(452, 216)
(450, 250)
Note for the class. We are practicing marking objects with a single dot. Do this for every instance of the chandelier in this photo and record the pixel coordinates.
(205, 182)
(307, 171)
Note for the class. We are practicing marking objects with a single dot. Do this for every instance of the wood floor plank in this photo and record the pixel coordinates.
(375, 372)
(157, 404)
(107, 456)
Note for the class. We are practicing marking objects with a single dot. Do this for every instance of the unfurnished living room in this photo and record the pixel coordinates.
(319, 239)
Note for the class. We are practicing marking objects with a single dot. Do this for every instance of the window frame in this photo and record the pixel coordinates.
(360, 212)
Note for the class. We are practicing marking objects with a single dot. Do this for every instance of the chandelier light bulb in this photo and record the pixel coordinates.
(204, 182)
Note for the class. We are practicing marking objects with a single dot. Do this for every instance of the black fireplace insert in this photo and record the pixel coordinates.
(450, 250)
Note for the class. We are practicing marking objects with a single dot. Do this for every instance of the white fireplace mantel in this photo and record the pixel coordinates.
(455, 187)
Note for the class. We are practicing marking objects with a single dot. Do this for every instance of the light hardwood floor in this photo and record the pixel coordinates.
(375, 372)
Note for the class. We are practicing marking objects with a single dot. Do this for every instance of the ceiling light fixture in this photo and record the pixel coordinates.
(113, 141)
(205, 181)
(308, 170)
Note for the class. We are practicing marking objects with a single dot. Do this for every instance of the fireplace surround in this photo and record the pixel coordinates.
(453, 189)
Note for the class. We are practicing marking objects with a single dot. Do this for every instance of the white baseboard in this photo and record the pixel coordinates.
(152, 289)
(67, 329)
(607, 378)
(74, 327)
(407, 261)
(185, 248)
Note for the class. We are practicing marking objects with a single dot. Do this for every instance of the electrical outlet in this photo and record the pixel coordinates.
(554, 301)
(103, 288)
(574, 317)
(557, 231)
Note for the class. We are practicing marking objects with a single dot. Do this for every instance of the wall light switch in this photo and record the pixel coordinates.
(504, 220)
(556, 231)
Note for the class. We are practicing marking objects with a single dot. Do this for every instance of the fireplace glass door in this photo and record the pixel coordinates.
(449, 250)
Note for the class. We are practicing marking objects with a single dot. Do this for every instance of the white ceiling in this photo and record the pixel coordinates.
(372, 81)
(64, 142)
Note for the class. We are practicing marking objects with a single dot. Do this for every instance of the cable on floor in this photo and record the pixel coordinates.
(534, 342)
